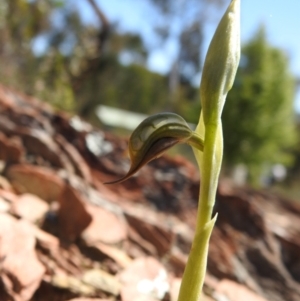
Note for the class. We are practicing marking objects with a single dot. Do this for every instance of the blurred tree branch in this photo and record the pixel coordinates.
(105, 28)
(92, 64)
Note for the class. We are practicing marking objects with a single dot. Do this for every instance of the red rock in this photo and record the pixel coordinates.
(255, 240)
(37, 141)
(235, 292)
(89, 299)
(160, 237)
(41, 143)
(6, 199)
(108, 191)
(70, 283)
(45, 239)
(30, 207)
(56, 259)
(174, 288)
(8, 196)
(6, 98)
(15, 99)
(105, 227)
(140, 241)
(5, 185)
(102, 280)
(221, 255)
(79, 164)
(72, 214)
(21, 271)
(118, 255)
(4, 205)
(40, 181)
(178, 260)
(145, 279)
(11, 150)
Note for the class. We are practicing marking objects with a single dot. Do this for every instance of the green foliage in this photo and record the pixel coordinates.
(75, 73)
(130, 87)
(80, 67)
(258, 118)
(294, 170)
(21, 22)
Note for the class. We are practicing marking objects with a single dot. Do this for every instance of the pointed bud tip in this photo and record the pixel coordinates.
(221, 64)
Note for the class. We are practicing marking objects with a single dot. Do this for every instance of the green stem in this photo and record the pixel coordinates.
(218, 74)
(196, 141)
(195, 270)
(210, 169)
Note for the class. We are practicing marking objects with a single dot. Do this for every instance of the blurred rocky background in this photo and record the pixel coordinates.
(69, 74)
(64, 234)
(146, 57)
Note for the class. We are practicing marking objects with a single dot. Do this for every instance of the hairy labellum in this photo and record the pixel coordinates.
(154, 136)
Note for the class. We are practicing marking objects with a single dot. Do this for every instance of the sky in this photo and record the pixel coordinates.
(281, 19)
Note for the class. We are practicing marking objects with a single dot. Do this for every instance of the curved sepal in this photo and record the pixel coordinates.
(154, 136)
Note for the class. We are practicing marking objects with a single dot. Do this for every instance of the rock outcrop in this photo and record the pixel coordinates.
(64, 235)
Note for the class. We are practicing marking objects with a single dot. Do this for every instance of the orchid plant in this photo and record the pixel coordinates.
(159, 132)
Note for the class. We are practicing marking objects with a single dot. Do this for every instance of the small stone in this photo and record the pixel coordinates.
(105, 227)
(152, 231)
(40, 181)
(4, 205)
(8, 196)
(11, 150)
(21, 271)
(73, 284)
(101, 280)
(78, 162)
(235, 291)
(118, 255)
(5, 185)
(144, 279)
(88, 299)
(174, 288)
(72, 214)
(30, 207)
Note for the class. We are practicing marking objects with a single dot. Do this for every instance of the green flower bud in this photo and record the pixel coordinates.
(154, 136)
(221, 64)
